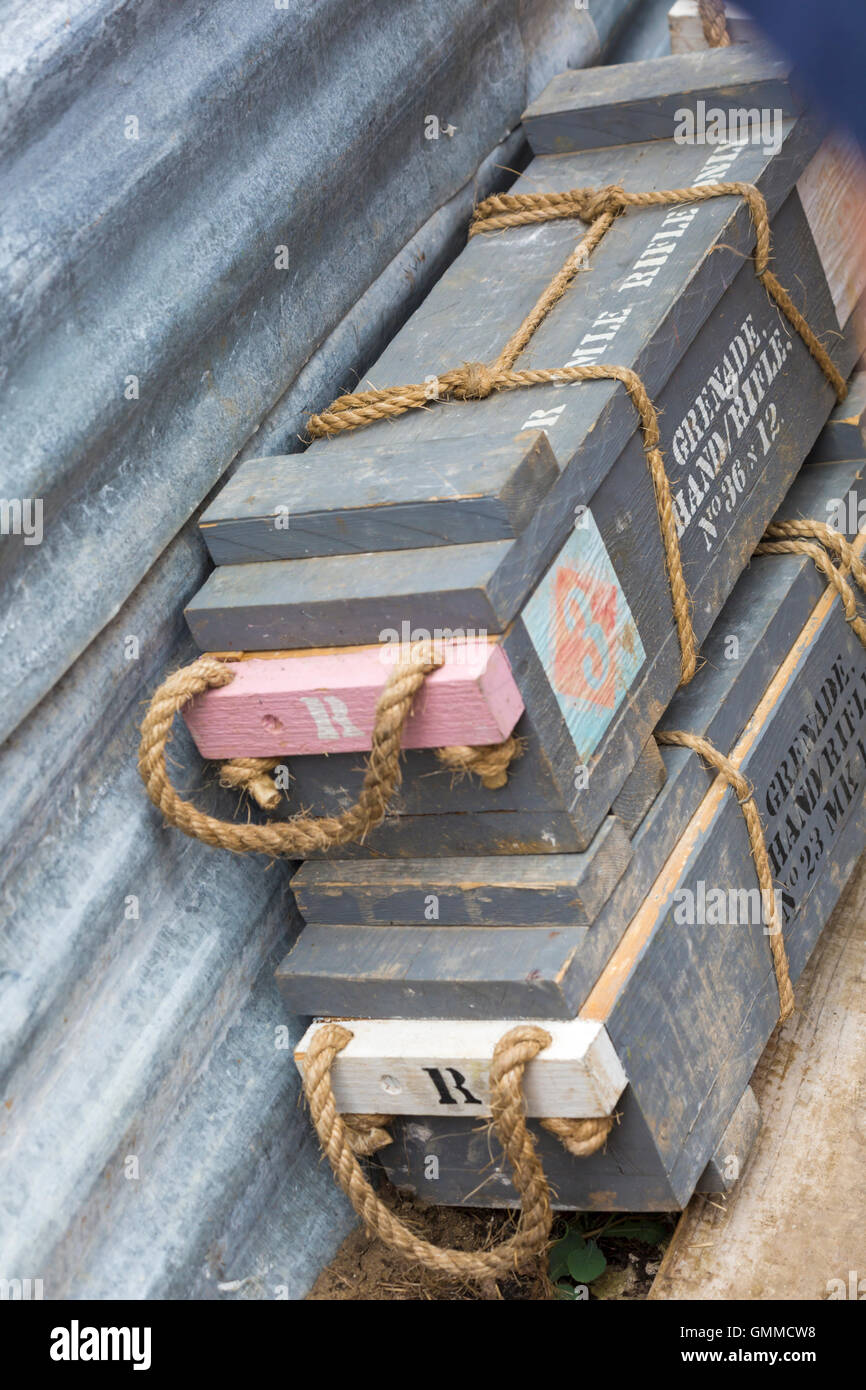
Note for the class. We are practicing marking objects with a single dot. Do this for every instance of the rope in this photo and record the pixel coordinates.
(478, 380)
(301, 834)
(713, 23)
(489, 761)
(751, 815)
(252, 775)
(510, 1057)
(367, 1133)
(787, 538)
(581, 1137)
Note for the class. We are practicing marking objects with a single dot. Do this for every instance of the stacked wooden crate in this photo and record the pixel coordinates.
(520, 534)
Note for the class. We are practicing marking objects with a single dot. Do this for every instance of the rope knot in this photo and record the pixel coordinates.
(596, 201)
(474, 381)
(581, 1138)
(489, 761)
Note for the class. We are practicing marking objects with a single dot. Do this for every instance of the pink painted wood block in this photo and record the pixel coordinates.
(326, 703)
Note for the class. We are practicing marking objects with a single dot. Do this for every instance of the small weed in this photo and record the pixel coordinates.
(576, 1258)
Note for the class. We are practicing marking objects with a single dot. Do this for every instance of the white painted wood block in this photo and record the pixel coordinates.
(440, 1067)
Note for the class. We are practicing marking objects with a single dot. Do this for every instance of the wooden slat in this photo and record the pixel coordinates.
(833, 193)
(386, 1067)
(623, 103)
(327, 703)
(384, 498)
(527, 890)
(430, 971)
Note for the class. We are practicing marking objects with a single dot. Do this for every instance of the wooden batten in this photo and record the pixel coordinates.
(833, 193)
(432, 1068)
(301, 704)
(629, 102)
(539, 890)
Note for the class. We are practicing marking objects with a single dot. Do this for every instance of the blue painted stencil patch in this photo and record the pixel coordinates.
(586, 638)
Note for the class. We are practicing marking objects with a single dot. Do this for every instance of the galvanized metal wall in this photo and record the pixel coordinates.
(156, 156)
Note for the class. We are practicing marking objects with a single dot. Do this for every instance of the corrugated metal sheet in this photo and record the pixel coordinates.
(151, 1143)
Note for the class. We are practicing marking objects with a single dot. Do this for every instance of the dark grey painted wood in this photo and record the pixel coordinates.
(343, 971)
(297, 505)
(622, 103)
(502, 890)
(471, 1170)
(843, 435)
(342, 599)
(641, 788)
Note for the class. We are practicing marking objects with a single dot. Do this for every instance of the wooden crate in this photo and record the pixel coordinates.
(519, 935)
(699, 310)
(688, 1005)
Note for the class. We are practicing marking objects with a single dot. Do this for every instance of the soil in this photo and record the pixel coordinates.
(364, 1270)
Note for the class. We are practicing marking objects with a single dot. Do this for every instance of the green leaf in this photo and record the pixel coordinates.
(558, 1267)
(650, 1232)
(564, 1291)
(586, 1264)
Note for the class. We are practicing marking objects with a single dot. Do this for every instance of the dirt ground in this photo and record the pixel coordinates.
(364, 1270)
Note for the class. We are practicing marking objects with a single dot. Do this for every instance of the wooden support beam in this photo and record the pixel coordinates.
(541, 890)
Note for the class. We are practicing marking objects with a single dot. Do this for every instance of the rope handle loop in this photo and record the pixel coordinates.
(301, 834)
(513, 1051)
